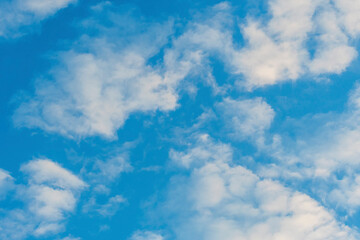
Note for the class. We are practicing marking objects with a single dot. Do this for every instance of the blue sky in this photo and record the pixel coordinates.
(161, 120)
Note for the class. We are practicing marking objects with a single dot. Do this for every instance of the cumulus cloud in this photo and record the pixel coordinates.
(278, 50)
(17, 14)
(203, 150)
(49, 196)
(206, 36)
(98, 95)
(294, 39)
(334, 52)
(94, 91)
(349, 13)
(44, 171)
(110, 75)
(223, 200)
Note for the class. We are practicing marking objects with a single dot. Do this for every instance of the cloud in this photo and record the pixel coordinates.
(6, 183)
(349, 13)
(293, 39)
(280, 49)
(110, 169)
(324, 152)
(99, 95)
(103, 173)
(49, 197)
(44, 171)
(108, 209)
(266, 62)
(71, 238)
(98, 85)
(207, 35)
(110, 73)
(203, 151)
(112, 206)
(223, 200)
(41, 7)
(334, 52)
(246, 119)
(16, 15)
(146, 235)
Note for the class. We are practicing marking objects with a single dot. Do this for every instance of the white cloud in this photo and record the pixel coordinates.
(49, 197)
(45, 171)
(266, 62)
(108, 209)
(16, 225)
(71, 238)
(278, 50)
(208, 35)
(146, 235)
(203, 151)
(109, 76)
(110, 169)
(350, 15)
(17, 14)
(6, 183)
(275, 50)
(99, 94)
(42, 8)
(328, 156)
(102, 174)
(94, 92)
(334, 53)
(112, 206)
(246, 119)
(222, 200)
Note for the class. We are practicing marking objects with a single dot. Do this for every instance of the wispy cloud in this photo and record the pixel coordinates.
(6, 183)
(146, 235)
(17, 15)
(246, 119)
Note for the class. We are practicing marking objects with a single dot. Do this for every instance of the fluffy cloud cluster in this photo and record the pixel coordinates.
(97, 86)
(223, 200)
(279, 49)
(49, 196)
(112, 72)
(93, 93)
(17, 14)
(324, 150)
(328, 157)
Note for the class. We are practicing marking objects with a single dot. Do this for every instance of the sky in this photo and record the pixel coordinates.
(179, 120)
